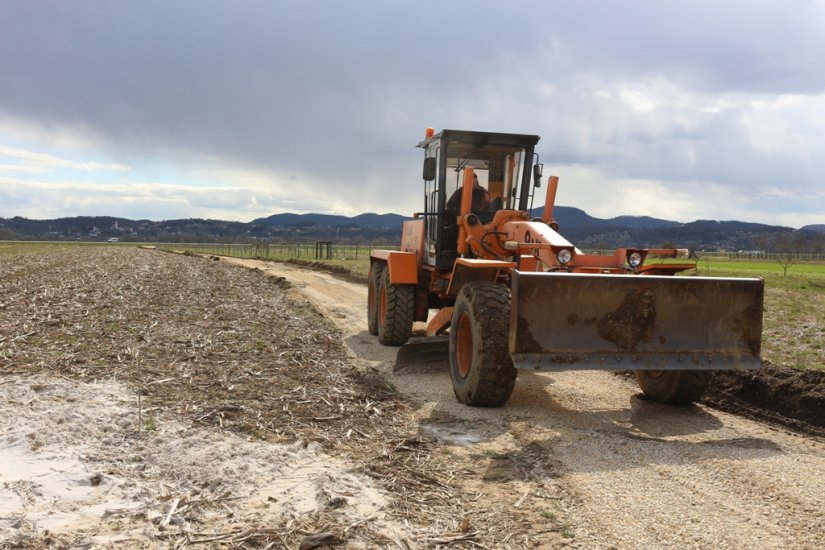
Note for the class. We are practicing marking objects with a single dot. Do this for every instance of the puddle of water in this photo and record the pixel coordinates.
(451, 435)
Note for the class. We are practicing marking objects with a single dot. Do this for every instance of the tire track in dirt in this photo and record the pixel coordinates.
(631, 473)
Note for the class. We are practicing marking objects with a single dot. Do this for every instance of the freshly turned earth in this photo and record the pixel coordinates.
(790, 397)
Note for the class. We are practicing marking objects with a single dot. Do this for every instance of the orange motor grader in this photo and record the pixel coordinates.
(508, 291)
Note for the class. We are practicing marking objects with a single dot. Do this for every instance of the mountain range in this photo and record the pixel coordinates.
(575, 224)
(565, 215)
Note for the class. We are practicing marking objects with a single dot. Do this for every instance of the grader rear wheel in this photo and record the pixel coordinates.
(396, 310)
(376, 273)
(481, 368)
(674, 387)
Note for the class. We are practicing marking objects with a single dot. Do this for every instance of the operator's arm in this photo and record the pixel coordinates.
(455, 200)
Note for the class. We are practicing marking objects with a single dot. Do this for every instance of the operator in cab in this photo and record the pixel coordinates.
(481, 198)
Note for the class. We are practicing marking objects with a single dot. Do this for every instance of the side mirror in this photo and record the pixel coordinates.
(429, 168)
(537, 170)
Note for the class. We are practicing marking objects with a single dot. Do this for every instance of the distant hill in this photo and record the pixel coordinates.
(711, 235)
(327, 220)
(568, 216)
(642, 222)
(380, 220)
(575, 224)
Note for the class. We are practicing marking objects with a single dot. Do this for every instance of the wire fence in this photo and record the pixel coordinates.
(322, 250)
(775, 256)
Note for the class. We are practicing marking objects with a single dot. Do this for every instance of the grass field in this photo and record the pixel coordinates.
(794, 318)
(794, 321)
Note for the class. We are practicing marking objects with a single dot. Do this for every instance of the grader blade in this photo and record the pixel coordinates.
(564, 321)
(424, 352)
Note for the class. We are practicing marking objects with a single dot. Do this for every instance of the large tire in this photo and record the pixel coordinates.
(396, 311)
(480, 364)
(374, 286)
(674, 387)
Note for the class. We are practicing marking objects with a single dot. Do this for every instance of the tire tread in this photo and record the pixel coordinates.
(676, 387)
(495, 377)
(400, 313)
(376, 273)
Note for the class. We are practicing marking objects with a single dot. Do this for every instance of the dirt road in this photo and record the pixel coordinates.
(624, 472)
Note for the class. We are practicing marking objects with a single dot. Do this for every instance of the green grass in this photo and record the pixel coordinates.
(150, 424)
(725, 267)
(794, 320)
(359, 267)
(793, 332)
(568, 533)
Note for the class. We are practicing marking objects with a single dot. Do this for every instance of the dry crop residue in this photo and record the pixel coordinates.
(162, 400)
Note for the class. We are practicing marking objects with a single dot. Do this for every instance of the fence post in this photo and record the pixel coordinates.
(323, 250)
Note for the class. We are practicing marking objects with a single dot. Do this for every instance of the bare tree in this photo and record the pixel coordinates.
(787, 248)
(818, 245)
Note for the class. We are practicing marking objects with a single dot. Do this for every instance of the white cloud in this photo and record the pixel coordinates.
(19, 168)
(31, 161)
(249, 198)
(270, 192)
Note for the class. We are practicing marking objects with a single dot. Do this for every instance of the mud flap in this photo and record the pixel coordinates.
(564, 321)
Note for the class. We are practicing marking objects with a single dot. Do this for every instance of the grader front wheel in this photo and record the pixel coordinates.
(481, 368)
(674, 387)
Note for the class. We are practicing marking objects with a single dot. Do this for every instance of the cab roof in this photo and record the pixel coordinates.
(481, 138)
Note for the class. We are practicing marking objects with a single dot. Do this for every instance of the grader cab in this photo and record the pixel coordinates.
(508, 291)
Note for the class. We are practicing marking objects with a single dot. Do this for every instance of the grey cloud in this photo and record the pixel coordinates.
(338, 93)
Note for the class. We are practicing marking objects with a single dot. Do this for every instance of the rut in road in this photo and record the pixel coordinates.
(632, 473)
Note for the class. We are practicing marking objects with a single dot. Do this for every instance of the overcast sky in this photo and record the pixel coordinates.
(241, 109)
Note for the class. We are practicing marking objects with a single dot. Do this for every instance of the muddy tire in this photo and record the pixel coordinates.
(480, 364)
(674, 387)
(373, 287)
(396, 310)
